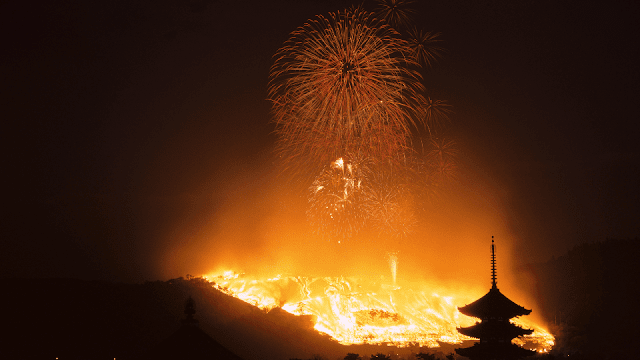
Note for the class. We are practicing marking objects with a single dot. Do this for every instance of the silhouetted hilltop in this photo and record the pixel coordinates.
(77, 319)
(590, 297)
(74, 319)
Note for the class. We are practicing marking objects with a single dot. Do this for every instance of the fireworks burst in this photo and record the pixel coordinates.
(396, 12)
(342, 84)
(436, 112)
(390, 205)
(335, 198)
(348, 84)
(441, 161)
(426, 49)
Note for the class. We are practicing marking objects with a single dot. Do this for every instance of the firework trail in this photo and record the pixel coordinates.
(393, 265)
(344, 83)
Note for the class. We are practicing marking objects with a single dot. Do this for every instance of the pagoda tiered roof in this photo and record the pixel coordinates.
(494, 305)
(494, 329)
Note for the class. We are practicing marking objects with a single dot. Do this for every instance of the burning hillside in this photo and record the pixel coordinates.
(358, 311)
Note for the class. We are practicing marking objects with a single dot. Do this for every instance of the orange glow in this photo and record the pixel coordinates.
(346, 289)
(357, 311)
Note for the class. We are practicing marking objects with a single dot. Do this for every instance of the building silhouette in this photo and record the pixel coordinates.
(495, 331)
(189, 342)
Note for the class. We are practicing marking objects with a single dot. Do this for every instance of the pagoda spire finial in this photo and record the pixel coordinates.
(493, 265)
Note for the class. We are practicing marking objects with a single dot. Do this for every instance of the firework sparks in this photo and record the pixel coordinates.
(349, 84)
(436, 112)
(441, 160)
(389, 205)
(335, 198)
(396, 12)
(343, 84)
(425, 46)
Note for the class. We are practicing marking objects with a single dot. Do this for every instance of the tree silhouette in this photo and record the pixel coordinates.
(352, 356)
(380, 356)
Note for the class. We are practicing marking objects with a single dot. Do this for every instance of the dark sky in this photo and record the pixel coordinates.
(137, 143)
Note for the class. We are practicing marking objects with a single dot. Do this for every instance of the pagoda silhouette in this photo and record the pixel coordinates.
(495, 331)
(190, 342)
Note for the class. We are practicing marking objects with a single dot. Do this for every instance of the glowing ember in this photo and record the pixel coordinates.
(356, 311)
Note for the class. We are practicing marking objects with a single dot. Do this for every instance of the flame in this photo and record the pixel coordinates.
(357, 311)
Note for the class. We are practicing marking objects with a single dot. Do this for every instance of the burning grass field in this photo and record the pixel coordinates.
(359, 311)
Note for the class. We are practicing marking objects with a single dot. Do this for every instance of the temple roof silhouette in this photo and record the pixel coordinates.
(189, 342)
(504, 329)
(494, 304)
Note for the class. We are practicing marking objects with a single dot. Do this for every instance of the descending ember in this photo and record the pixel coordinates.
(358, 311)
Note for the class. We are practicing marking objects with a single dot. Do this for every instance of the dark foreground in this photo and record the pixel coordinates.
(589, 294)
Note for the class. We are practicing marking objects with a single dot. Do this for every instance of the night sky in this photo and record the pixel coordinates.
(137, 142)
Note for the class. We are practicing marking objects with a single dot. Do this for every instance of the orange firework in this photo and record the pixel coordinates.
(425, 46)
(389, 204)
(335, 198)
(441, 159)
(396, 12)
(355, 190)
(436, 113)
(344, 84)
(439, 167)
